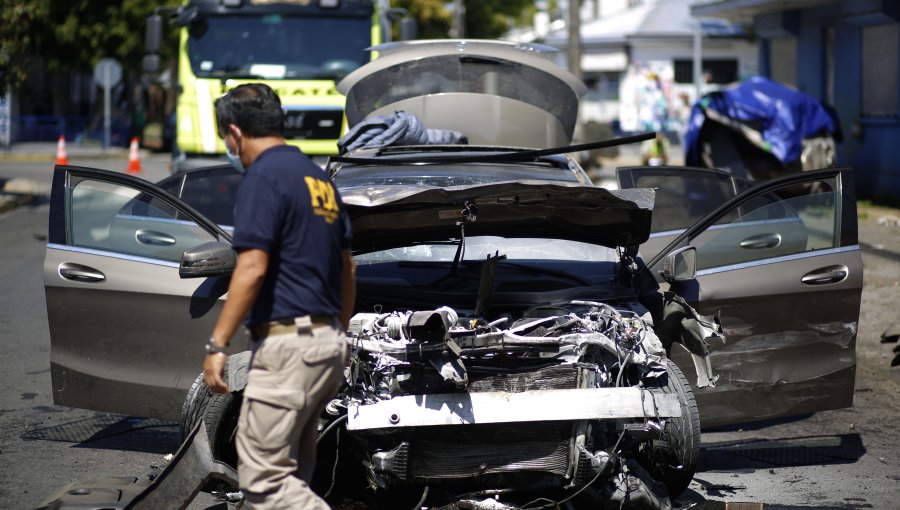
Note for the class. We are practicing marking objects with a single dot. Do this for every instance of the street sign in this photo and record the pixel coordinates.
(107, 74)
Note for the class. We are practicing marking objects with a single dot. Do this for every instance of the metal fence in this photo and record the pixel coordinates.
(76, 128)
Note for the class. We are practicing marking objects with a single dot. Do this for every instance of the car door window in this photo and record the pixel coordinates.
(795, 219)
(683, 195)
(117, 218)
(213, 193)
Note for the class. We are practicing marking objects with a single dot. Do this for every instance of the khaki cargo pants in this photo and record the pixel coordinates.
(293, 373)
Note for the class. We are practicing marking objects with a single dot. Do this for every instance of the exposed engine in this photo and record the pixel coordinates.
(550, 399)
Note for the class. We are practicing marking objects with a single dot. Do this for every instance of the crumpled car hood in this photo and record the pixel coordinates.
(393, 216)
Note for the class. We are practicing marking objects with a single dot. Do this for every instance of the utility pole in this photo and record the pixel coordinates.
(574, 46)
(459, 19)
(698, 59)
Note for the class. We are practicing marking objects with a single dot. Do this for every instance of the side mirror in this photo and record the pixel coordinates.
(208, 259)
(680, 265)
(187, 15)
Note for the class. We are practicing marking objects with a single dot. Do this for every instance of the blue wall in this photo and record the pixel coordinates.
(870, 146)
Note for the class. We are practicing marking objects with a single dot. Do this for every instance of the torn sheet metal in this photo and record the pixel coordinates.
(683, 324)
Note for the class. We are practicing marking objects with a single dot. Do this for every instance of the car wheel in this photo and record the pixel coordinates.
(672, 459)
(221, 417)
(220, 412)
(194, 406)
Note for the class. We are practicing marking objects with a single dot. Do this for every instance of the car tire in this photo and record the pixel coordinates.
(672, 459)
(221, 418)
(220, 413)
(194, 406)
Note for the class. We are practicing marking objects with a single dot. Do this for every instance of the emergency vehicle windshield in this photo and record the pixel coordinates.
(274, 46)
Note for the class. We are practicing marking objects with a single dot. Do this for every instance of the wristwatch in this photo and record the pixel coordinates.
(212, 348)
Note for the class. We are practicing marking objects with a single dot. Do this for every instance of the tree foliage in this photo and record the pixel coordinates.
(432, 16)
(19, 35)
(72, 35)
(490, 19)
(485, 19)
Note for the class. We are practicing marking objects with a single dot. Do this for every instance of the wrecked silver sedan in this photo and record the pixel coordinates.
(512, 346)
(503, 352)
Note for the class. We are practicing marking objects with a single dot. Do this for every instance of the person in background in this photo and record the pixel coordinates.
(655, 152)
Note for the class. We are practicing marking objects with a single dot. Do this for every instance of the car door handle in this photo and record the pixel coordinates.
(830, 274)
(79, 273)
(154, 238)
(761, 241)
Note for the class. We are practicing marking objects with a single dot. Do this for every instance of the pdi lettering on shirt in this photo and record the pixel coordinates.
(323, 200)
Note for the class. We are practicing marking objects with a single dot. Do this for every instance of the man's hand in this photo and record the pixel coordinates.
(246, 281)
(213, 371)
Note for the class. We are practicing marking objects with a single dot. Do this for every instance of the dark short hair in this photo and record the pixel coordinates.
(254, 108)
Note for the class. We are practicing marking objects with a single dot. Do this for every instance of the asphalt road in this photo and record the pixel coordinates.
(837, 459)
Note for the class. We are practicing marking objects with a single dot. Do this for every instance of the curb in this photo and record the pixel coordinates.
(19, 191)
(9, 202)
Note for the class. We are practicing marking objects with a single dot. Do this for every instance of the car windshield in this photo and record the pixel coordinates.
(274, 46)
(449, 175)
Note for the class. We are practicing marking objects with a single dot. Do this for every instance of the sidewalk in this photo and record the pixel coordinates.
(46, 151)
(10, 199)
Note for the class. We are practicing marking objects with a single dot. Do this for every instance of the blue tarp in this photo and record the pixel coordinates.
(782, 115)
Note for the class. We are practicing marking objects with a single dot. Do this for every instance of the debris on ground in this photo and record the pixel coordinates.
(891, 334)
(889, 221)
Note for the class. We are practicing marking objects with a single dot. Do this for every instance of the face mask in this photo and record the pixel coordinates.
(235, 158)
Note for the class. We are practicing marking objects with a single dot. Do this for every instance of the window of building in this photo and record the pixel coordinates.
(880, 70)
(715, 71)
(829, 65)
(783, 60)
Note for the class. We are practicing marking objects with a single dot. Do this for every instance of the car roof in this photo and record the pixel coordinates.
(495, 92)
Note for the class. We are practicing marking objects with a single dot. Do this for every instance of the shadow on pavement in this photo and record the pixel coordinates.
(113, 432)
(757, 425)
(767, 453)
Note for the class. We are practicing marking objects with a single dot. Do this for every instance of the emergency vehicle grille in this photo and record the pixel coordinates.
(313, 124)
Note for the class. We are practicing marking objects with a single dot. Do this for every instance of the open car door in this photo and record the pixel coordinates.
(126, 331)
(781, 264)
(684, 195)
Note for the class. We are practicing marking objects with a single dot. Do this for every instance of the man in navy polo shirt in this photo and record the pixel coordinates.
(294, 283)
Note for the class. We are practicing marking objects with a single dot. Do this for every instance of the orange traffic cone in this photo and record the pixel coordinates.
(61, 157)
(134, 157)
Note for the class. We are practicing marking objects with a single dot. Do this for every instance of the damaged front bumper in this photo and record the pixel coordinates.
(502, 407)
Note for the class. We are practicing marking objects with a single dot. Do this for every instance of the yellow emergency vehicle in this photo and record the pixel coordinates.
(300, 48)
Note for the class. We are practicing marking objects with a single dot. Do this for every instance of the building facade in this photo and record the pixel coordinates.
(845, 53)
(637, 58)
